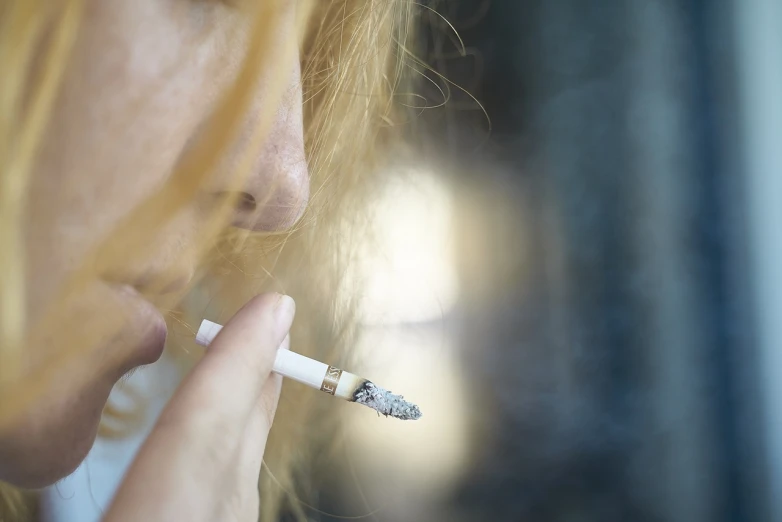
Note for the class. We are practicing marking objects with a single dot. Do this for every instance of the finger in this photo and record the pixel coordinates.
(230, 377)
(266, 406)
(181, 463)
(246, 470)
(250, 456)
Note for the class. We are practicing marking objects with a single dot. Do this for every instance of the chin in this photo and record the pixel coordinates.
(43, 466)
(58, 429)
(51, 443)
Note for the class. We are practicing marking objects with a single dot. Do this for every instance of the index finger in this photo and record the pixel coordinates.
(181, 465)
(238, 362)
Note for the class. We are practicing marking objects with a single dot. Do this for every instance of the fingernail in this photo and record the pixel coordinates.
(284, 311)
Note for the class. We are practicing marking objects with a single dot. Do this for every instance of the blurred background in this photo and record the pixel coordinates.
(596, 268)
(576, 275)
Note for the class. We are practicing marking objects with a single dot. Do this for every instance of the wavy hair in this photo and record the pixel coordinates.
(353, 64)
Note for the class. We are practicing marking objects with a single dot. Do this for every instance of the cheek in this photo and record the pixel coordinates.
(140, 81)
(135, 98)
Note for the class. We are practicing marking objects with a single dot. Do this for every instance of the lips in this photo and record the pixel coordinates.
(149, 327)
(150, 284)
(143, 293)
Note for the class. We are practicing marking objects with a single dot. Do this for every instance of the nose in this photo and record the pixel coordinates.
(275, 194)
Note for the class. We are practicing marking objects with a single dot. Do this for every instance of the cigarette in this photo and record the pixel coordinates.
(328, 379)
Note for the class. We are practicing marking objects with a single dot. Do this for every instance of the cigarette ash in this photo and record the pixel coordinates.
(385, 402)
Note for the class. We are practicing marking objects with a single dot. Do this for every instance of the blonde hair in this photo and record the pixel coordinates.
(352, 64)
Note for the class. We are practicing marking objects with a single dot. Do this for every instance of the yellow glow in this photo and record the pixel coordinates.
(428, 453)
(409, 270)
(407, 277)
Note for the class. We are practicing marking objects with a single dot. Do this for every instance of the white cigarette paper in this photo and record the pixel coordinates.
(328, 379)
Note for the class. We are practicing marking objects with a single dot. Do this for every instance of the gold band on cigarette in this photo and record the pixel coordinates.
(331, 380)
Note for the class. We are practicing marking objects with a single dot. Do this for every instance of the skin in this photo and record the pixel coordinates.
(191, 467)
(141, 87)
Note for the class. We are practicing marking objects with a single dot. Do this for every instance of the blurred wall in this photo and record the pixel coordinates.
(610, 334)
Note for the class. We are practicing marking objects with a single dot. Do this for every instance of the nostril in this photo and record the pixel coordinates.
(275, 208)
(244, 201)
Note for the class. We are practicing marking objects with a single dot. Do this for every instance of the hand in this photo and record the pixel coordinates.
(203, 458)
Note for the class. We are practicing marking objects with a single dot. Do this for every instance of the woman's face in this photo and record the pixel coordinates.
(144, 78)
